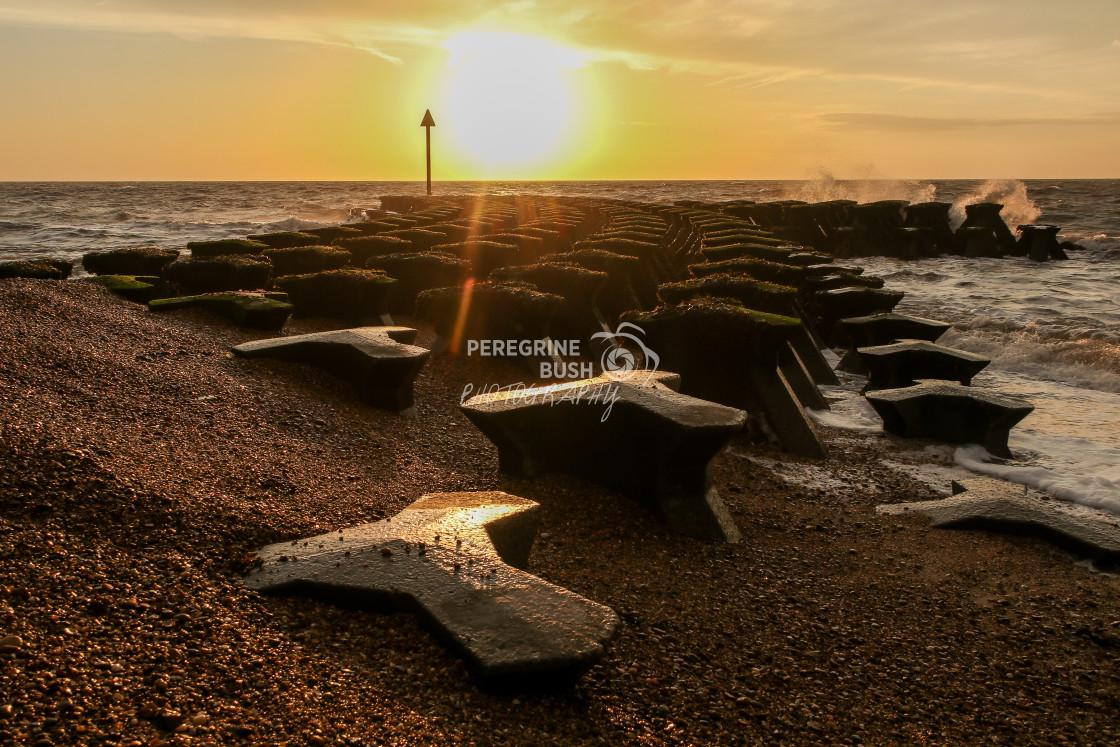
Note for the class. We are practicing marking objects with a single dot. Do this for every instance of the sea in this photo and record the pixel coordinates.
(1051, 329)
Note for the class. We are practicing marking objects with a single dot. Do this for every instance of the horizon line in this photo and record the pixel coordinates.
(421, 182)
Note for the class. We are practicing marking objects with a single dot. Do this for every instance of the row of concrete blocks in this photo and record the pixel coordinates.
(778, 383)
(457, 560)
(382, 363)
(922, 389)
(764, 374)
(766, 393)
(897, 228)
(937, 409)
(515, 630)
(632, 432)
(782, 378)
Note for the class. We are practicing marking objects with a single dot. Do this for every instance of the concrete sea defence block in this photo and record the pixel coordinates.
(999, 506)
(224, 248)
(952, 413)
(255, 310)
(488, 311)
(140, 261)
(36, 269)
(301, 260)
(219, 274)
(882, 329)
(352, 294)
(904, 363)
(285, 239)
(418, 272)
(366, 247)
(457, 561)
(484, 256)
(635, 435)
(380, 362)
(728, 354)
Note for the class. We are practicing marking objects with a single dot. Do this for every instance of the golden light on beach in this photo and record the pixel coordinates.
(509, 102)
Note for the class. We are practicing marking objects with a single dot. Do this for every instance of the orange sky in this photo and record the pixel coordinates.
(543, 89)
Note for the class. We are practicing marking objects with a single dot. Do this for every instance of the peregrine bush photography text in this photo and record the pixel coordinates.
(638, 374)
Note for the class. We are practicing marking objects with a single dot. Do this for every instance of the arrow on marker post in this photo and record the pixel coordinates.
(428, 124)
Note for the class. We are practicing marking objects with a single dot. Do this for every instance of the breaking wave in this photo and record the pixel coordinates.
(827, 187)
(1089, 362)
(1094, 490)
(1018, 208)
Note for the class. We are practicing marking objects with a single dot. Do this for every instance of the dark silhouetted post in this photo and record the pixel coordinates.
(428, 124)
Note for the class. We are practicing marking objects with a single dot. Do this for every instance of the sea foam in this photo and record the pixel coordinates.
(1018, 208)
(1098, 490)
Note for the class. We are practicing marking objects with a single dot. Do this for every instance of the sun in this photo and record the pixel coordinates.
(510, 103)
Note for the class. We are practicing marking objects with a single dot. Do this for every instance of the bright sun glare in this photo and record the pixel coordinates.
(509, 102)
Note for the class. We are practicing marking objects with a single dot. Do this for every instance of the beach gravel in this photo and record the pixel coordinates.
(140, 464)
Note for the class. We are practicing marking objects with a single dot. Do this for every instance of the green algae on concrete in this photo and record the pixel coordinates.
(286, 239)
(219, 274)
(753, 294)
(225, 247)
(300, 260)
(752, 249)
(352, 294)
(36, 269)
(418, 272)
(255, 310)
(333, 233)
(759, 269)
(137, 288)
(135, 261)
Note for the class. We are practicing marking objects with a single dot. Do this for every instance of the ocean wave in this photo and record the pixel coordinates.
(291, 223)
(312, 211)
(827, 187)
(1018, 207)
(1094, 490)
(928, 275)
(1091, 360)
(1097, 242)
(1067, 329)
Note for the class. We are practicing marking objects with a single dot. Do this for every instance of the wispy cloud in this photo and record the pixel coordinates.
(1038, 49)
(206, 20)
(873, 121)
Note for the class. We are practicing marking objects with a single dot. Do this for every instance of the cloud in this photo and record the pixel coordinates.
(205, 20)
(1035, 49)
(873, 121)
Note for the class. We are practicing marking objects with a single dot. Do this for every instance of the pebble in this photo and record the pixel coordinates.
(161, 525)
